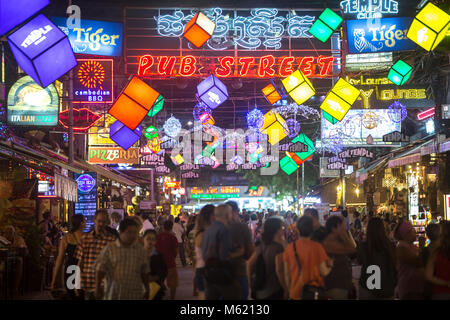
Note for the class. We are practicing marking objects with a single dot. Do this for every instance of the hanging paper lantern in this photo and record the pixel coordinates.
(271, 93)
(329, 118)
(212, 92)
(429, 27)
(134, 103)
(397, 112)
(255, 119)
(206, 118)
(298, 87)
(13, 13)
(293, 127)
(157, 107)
(177, 160)
(199, 29)
(300, 157)
(400, 72)
(288, 165)
(172, 127)
(324, 27)
(42, 50)
(340, 99)
(123, 136)
(151, 132)
(274, 126)
(199, 110)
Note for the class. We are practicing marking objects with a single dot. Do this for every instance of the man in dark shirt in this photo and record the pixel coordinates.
(216, 249)
(319, 231)
(242, 239)
(167, 245)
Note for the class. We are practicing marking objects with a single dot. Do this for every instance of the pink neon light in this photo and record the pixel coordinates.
(426, 114)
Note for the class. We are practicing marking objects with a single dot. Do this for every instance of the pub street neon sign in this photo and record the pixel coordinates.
(228, 66)
(366, 9)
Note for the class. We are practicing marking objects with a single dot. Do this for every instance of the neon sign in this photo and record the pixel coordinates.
(426, 114)
(93, 81)
(366, 9)
(228, 66)
(83, 119)
(264, 27)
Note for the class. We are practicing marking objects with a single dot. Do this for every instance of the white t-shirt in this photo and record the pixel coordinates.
(147, 225)
(178, 231)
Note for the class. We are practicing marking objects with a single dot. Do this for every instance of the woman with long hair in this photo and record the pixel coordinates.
(411, 278)
(66, 251)
(271, 249)
(379, 251)
(203, 221)
(438, 265)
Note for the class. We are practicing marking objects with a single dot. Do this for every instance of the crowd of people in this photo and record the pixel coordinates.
(259, 255)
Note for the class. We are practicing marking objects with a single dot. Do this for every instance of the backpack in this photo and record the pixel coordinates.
(258, 275)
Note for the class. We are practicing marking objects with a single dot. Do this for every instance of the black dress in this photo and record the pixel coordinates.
(69, 260)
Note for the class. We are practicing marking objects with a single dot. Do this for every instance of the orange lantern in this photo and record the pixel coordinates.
(271, 94)
(199, 29)
(134, 103)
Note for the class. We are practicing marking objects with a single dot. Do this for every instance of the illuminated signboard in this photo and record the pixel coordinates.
(235, 48)
(365, 9)
(381, 93)
(99, 38)
(87, 197)
(99, 135)
(108, 155)
(228, 192)
(31, 105)
(357, 125)
(215, 196)
(93, 81)
(368, 61)
(83, 119)
(227, 66)
(384, 35)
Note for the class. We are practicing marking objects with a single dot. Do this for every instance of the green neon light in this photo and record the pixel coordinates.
(216, 196)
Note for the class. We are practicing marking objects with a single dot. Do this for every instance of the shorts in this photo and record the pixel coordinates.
(200, 279)
(172, 278)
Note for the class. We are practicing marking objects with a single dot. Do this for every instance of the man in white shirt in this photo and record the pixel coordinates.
(178, 230)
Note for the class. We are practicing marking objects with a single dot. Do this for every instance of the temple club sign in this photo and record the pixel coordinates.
(366, 9)
(358, 152)
(252, 67)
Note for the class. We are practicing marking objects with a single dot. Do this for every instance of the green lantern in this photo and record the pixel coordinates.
(324, 27)
(329, 117)
(151, 132)
(288, 165)
(400, 72)
(157, 106)
(302, 138)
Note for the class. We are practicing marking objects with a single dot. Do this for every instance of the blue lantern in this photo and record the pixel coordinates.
(255, 119)
(397, 112)
(212, 92)
(13, 13)
(42, 50)
(293, 126)
(123, 136)
(199, 109)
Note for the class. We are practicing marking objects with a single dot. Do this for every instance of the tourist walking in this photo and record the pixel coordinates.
(377, 251)
(124, 266)
(87, 252)
(158, 268)
(179, 232)
(305, 264)
(263, 265)
(339, 244)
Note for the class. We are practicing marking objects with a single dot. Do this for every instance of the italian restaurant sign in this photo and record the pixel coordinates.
(111, 155)
(31, 105)
(380, 35)
(256, 43)
(94, 37)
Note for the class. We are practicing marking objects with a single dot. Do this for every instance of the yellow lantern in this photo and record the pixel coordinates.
(177, 160)
(429, 27)
(298, 87)
(340, 99)
(274, 126)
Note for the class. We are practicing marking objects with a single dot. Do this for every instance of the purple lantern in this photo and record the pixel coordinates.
(397, 112)
(42, 50)
(123, 136)
(13, 13)
(212, 92)
(294, 128)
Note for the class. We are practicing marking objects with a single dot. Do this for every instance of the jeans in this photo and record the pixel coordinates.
(243, 282)
(223, 292)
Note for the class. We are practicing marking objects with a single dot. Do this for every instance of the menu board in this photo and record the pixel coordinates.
(87, 197)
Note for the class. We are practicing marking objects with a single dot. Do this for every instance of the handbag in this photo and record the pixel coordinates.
(309, 292)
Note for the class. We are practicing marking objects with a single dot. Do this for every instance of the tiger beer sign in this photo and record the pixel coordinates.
(107, 155)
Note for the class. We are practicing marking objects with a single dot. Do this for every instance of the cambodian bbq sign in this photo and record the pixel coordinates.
(93, 81)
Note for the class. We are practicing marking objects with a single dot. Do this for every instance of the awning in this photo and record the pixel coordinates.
(362, 174)
(444, 146)
(413, 155)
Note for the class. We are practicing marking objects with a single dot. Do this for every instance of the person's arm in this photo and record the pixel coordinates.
(429, 272)
(325, 268)
(406, 256)
(286, 278)
(250, 264)
(59, 261)
(102, 266)
(334, 246)
(99, 285)
(279, 269)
